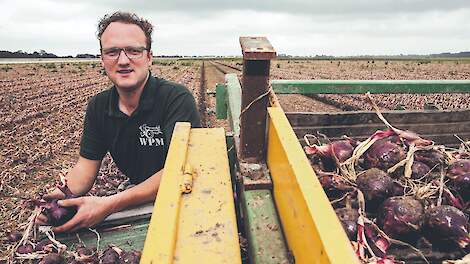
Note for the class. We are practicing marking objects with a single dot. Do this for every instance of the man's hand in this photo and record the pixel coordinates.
(91, 210)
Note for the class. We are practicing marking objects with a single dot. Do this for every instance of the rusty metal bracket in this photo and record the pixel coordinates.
(257, 53)
(255, 176)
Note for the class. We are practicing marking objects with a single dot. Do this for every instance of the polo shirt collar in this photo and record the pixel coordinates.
(146, 101)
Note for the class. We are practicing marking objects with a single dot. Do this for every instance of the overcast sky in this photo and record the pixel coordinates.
(212, 27)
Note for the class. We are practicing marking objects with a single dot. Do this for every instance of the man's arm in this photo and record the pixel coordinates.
(92, 210)
(143, 192)
(81, 177)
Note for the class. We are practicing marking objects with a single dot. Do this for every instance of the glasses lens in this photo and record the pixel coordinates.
(111, 54)
(134, 52)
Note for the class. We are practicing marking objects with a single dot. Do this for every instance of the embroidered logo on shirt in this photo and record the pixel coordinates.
(148, 136)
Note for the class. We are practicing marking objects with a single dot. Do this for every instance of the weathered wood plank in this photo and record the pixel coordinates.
(447, 139)
(368, 117)
(439, 126)
(369, 129)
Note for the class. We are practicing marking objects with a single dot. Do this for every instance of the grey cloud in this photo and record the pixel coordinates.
(341, 27)
(304, 7)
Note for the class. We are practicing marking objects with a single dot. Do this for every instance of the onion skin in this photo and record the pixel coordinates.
(383, 154)
(377, 242)
(411, 137)
(376, 186)
(340, 150)
(446, 226)
(348, 218)
(401, 217)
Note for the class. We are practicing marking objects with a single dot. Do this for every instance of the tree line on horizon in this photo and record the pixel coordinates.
(40, 54)
(44, 54)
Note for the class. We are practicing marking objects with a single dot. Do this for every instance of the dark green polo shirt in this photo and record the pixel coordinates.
(138, 143)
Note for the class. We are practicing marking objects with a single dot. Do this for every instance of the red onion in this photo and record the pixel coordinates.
(110, 256)
(131, 257)
(41, 245)
(383, 154)
(376, 186)
(86, 255)
(461, 183)
(333, 185)
(458, 167)
(419, 169)
(24, 249)
(58, 215)
(401, 217)
(14, 236)
(52, 258)
(446, 225)
(432, 158)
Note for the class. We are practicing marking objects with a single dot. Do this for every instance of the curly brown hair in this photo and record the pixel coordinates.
(128, 18)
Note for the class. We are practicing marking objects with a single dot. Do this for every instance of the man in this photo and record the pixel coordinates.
(133, 120)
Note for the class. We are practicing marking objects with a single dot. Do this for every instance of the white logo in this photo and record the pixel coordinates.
(148, 136)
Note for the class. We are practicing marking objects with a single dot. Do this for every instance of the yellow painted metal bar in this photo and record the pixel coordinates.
(161, 236)
(312, 229)
(207, 230)
(194, 217)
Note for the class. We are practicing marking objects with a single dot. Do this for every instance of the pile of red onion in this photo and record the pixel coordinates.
(394, 209)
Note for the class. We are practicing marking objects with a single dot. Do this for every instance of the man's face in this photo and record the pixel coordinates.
(126, 74)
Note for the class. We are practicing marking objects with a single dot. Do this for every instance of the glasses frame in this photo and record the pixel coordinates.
(126, 50)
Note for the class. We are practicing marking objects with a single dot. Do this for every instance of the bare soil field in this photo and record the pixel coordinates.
(42, 108)
(371, 70)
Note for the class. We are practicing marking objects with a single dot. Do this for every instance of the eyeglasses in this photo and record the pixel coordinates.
(131, 53)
